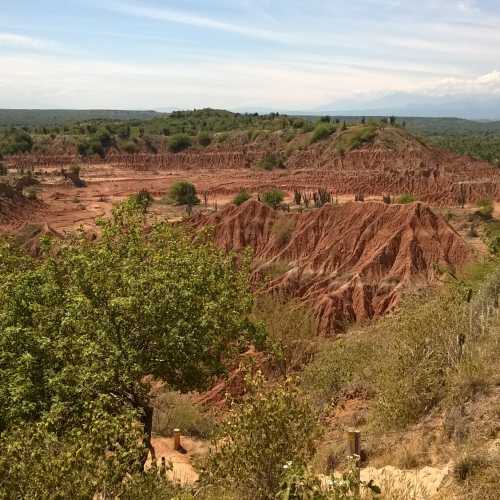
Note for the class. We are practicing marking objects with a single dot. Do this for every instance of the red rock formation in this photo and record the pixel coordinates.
(350, 262)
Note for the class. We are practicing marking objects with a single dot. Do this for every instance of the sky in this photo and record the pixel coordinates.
(242, 54)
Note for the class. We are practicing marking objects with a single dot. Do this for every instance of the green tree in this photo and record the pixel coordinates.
(183, 193)
(204, 139)
(82, 327)
(179, 142)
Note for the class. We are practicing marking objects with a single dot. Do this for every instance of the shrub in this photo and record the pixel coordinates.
(142, 200)
(183, 193)
(355, 137)
(273, 198)
(31, 193)
(130, 147)
(204, 139)
(485, 208)
(322, 131)
(241, 197)
(298, 123)
(406, 199)
(174, 410)
(291, 329)
(179, 142)
(421, 350)
(15, 141)
(258, 439)
(338, 366)
(468, 464)
(271, 161)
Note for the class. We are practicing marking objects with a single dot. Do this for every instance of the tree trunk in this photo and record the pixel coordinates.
(147, 422)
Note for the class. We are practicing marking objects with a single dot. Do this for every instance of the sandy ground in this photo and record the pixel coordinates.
(182, 468)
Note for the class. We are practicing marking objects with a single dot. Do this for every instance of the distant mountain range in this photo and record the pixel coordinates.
(469, 106)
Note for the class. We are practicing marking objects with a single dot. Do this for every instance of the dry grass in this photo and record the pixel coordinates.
(177, 411)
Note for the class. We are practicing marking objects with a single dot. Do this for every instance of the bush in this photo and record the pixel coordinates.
(142, 199)
(179, 142)
(355, 137)
(130, 147)
(89, 148)
(241, 197)
(183, 193)
(340, 365)
(421, 351)
(174, 410)
(15, 141)
(271, 161)
(322, 131)
(258, 439)
(406, 199)
(291, 328)
(204, 139)
(485, 208)
(273, 198)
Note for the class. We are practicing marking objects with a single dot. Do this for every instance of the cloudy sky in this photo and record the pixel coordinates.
(277, 54)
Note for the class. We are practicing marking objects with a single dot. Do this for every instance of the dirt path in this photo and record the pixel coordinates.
(183, 470)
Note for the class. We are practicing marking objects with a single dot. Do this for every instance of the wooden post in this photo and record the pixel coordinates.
(177, 440)
(354, 450)
(354, 443)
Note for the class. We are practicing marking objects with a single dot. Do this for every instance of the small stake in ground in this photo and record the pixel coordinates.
(177, 439)
(354, 450)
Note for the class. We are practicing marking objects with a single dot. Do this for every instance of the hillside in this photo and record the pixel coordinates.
(349, 262)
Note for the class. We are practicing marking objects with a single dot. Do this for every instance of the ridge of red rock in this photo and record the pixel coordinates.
(349, 262)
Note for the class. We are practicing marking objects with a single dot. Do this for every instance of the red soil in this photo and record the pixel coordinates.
(394, 164)
(349, 262)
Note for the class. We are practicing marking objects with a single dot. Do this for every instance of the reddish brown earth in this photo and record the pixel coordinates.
(349, 262)
(394, 163)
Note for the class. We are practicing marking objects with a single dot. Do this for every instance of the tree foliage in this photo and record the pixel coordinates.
(81, 328)
(183, 193)
(259, 438)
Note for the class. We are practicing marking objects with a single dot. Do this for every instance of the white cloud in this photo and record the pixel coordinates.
(487, 84)
(182, 17)
(25, 42)
(63, 82)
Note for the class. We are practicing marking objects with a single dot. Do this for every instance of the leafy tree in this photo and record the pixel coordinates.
(179, 142)
(204, 139)
(273, 198)
(82, 327)
(183, 193)
(15, 141)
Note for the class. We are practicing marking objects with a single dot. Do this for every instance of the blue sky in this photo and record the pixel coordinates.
(276, 54)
